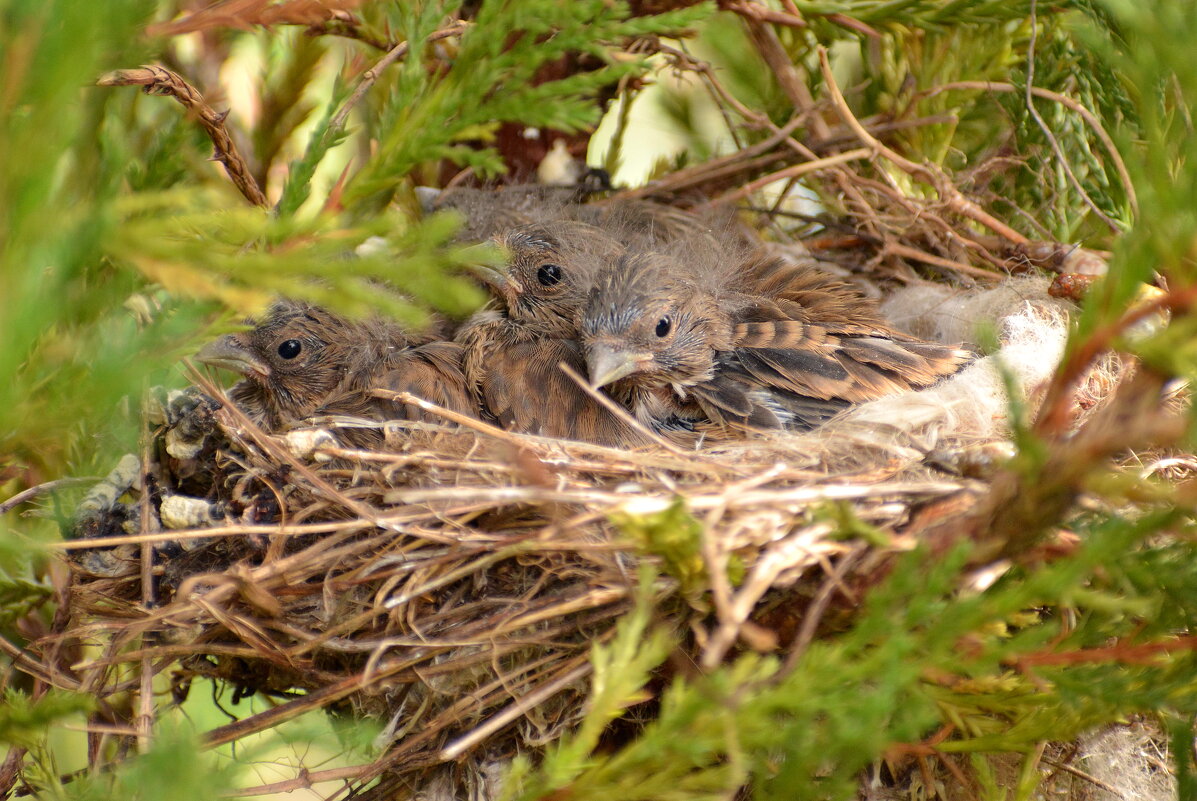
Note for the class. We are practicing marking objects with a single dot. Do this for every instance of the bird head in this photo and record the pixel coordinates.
(549, 270)
(643, 321)
(292, 359)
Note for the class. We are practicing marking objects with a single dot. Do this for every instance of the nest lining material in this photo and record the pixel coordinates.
(454, 582)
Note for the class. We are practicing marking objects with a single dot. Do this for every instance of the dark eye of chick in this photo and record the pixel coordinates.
(663, 326)
(290, 349)
(548, 274)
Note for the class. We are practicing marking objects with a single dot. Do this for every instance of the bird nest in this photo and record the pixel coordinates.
(453, 582)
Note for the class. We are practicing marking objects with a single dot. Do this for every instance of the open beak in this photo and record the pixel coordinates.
(229, 354)
(605, 364)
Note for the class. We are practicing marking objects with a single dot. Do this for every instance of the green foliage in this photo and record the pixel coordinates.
(57, 288)
(23, 721)
(18, 598)
(323, 138)
(920, 655)
(291, 65)
(894, 61)
(491, 81)
(621, 670)
(82, 234)
(175, 767)
(1146, 56)
(674, 535)
(191, 245)
(929, 14)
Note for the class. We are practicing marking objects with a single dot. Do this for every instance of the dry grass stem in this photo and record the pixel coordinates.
(161, 81)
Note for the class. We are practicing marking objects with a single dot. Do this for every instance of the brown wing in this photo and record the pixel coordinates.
(802, 291)
(811, 345)
(738, 397)
(432, 372)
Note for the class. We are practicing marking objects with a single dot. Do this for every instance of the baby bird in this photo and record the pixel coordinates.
(488, 213)
(512, 350)
(303, 360)
(723, 344)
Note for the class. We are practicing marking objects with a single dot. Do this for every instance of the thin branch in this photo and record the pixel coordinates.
(306, 780)
(371, 75)
(1085, 114)
(1047, 132)
(684, 61)
(788, 74)
(1080, 774)
(10, 769)
(795, 171)
(161, 81)
(516, 710)
(818, 606)
(41, 489)
(906, 252)
(347, 27)
(756, 13)
(144, 722)
(952, 196)
(754, 156)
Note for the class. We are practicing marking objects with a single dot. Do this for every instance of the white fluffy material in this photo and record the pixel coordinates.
(1031, 328)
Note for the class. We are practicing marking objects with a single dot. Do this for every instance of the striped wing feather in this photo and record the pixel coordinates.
(812, 345)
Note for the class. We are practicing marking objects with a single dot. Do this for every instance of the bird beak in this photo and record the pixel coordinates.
(497, 280)
(230, 354)
(606, 364)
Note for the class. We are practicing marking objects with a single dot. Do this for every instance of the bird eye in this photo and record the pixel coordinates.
(663, 326)
(290, 349)
(548, 274)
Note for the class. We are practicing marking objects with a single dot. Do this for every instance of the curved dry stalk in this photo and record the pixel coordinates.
(789, 75)
(41, 489)
(794, 171)
(1084, 113)
(755, 12)
(161, 81)
(914, 254)
(952, 196)
(1029, 102)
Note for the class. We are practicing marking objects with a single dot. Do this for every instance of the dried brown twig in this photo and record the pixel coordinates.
(759, 13)
(50, 486)
(245, 15)
(1085, 114)
(161, 81)
(795, 171)
(955, 201)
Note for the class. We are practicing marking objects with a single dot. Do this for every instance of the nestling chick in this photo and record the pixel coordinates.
(514, 348)
(637, 223)
(729, 345)
(302, 361)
